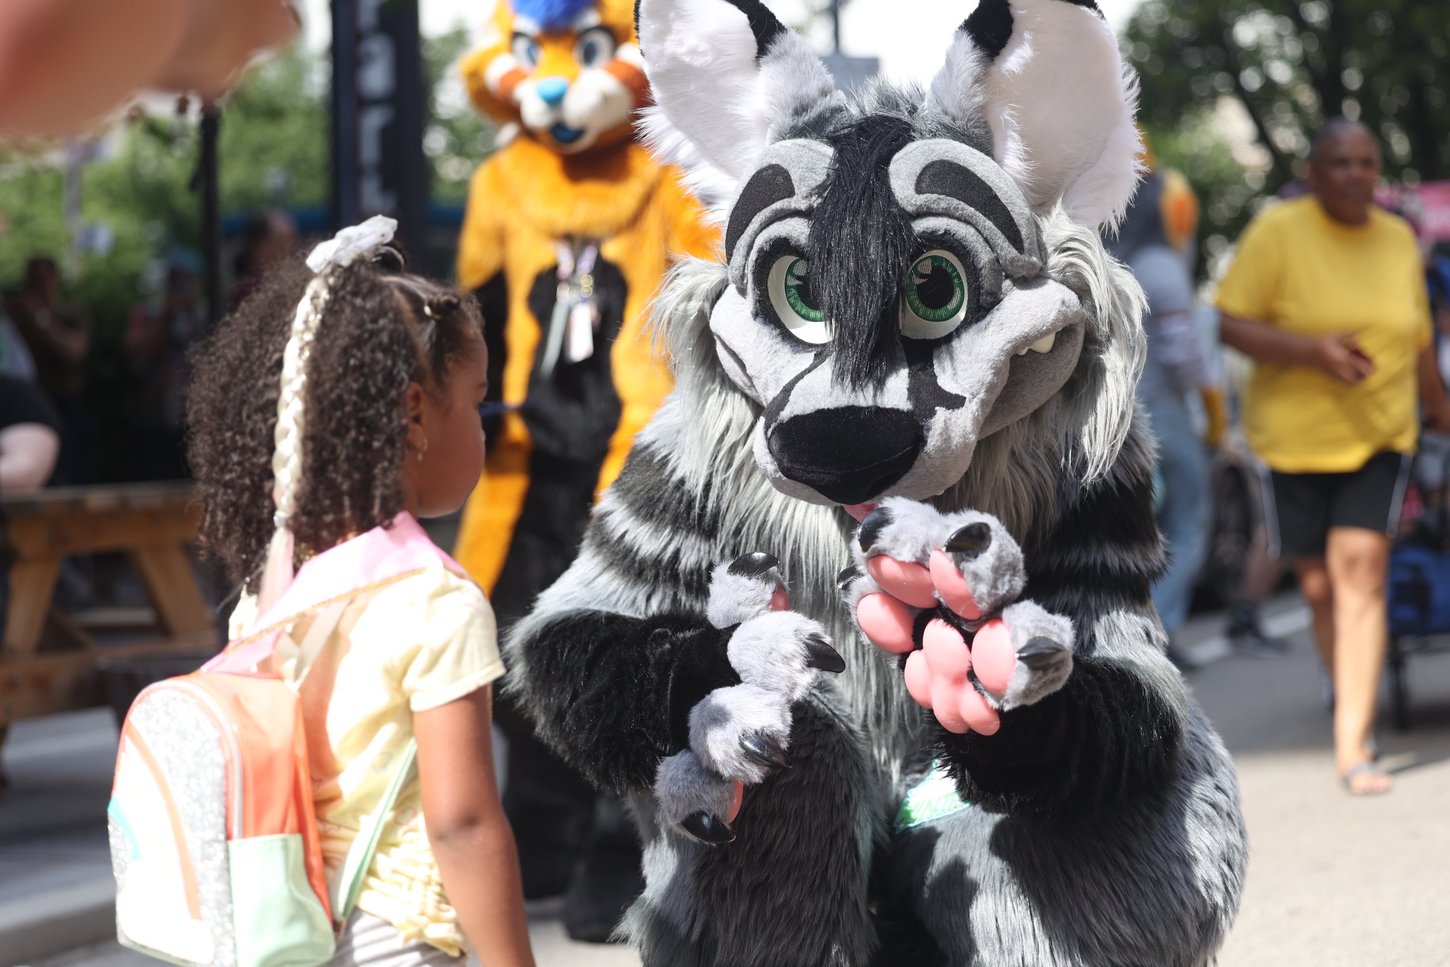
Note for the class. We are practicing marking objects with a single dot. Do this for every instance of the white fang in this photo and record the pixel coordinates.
(1043, 345)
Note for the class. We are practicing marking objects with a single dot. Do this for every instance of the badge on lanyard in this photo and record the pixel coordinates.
(570, 336)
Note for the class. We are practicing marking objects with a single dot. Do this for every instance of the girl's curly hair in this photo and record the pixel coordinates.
(380, 330)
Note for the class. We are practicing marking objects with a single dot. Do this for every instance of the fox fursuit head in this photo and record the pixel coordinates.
(569, 71)
(917, 362)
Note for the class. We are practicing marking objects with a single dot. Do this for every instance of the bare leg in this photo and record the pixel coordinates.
(1314, 584)
(1357, 561)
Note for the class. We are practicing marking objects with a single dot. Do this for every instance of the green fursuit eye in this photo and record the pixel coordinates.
(935, 291)
(798, 291)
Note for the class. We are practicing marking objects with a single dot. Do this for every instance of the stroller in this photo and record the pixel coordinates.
(1419, 587)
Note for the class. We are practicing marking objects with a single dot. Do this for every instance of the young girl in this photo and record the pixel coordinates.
(379, 376)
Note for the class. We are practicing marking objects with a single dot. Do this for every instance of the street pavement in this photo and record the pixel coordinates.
(1333, 881)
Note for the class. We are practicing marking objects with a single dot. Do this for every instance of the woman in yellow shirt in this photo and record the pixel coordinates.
(1326, 294)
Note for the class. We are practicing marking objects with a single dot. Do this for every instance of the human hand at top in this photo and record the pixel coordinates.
(61, 67)
(1342, 357)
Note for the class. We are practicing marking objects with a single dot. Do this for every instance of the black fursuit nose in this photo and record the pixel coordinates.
(850, 454)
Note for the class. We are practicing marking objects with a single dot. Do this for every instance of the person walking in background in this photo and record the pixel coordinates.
(1155, 241)
(29, 445)
(1434, 460)
(59, 340)
(268, 238)
(1326, 294)
(159, 340)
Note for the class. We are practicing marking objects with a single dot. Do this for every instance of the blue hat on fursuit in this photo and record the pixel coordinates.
(552, 14)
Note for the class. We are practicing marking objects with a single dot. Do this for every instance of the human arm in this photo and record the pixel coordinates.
(1433, 400)
(468, 831)
(1339, 355)
(27, 456)
(29, 438)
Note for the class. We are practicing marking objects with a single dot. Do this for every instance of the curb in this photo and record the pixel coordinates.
(56, 921)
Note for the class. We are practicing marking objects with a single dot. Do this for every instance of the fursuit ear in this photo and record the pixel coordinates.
(1047, 77)
(725, 75)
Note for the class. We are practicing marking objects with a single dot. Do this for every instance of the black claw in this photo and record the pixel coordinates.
(752, 565)
(872, 527)
(708, 829)
(764, 751)
(823, 656)
(970, 541)
(848, 574)
(1039, 653)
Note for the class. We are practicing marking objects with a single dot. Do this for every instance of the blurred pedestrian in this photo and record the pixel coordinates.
(1326, 294)
(29, 445)
(1434, 458)
(268, 239)
(59, 340)
(158, 341)
(1155, 240)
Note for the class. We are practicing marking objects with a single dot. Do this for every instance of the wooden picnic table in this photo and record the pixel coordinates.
(49, 662)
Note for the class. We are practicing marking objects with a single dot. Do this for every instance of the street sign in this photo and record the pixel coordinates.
(377, 115)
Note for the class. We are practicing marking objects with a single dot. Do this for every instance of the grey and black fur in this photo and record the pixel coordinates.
(1102, 825)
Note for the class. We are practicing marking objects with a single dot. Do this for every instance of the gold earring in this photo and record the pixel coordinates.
(423, 449)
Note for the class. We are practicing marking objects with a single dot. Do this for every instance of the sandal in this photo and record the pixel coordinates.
(1366, 779)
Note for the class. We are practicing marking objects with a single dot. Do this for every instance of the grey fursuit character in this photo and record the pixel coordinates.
(915, 360)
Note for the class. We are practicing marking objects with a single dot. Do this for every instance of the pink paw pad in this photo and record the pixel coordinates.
(946, 704)
(978, 715)
(947, 654)
(737, 797)
(910, 582)
(918, 678)
(953, 589)
(993, 656)
(887, 622)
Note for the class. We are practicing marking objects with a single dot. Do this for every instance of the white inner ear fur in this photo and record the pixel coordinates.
(700, 58)
(1060, 104)
(716, 106)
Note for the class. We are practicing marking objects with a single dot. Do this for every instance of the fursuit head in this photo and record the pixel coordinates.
(915, 360)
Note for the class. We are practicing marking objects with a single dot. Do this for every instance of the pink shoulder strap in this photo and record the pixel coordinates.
(377, 556)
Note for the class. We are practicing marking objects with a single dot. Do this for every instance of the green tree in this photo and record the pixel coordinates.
(457, 139)
(1290, 64)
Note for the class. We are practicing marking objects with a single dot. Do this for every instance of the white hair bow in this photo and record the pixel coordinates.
(351, 242)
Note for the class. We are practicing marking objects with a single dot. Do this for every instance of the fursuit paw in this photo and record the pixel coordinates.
(696, 800)
(942, 590)
(733, 694)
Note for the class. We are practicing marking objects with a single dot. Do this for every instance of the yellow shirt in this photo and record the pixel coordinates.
(1298, 270)
(420, 641)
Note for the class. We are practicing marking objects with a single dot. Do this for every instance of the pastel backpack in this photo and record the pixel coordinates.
(214, 839)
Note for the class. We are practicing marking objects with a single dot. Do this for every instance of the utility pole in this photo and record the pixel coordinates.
(211, 211)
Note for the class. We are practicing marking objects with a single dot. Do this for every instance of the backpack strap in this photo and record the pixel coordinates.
(360, 855)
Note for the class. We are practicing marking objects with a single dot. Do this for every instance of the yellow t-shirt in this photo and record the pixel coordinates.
(418, 642)
(1299, 270)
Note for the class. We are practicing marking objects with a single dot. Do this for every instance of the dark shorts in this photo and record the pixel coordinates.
(1301, 508)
